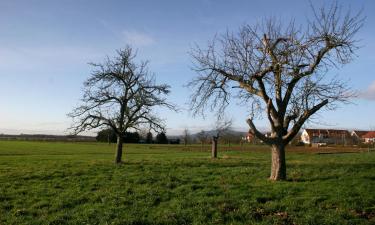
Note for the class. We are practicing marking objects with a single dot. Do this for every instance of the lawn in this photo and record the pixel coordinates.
(77, 183)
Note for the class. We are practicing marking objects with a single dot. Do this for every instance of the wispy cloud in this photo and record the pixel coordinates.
(137, 38)
(369, 93)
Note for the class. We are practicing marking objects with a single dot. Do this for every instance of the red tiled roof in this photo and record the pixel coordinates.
(329, 130)
(370, 134)
(360, 133)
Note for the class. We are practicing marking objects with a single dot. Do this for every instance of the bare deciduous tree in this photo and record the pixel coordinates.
(120, 94)
(186, 136)
(278, 71)
(222, 126)
(202, 138)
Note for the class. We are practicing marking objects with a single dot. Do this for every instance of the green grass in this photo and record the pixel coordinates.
(77, 183)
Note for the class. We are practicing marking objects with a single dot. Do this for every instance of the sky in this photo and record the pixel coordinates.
(45, 48)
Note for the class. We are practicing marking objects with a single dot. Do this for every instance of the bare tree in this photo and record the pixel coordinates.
(222, 126)
(202, 137)
(120, 94)
(279, 72)
(186, 136)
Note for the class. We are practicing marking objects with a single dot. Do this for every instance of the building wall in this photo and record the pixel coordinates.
(305, 137)
(324, 136)
(369, 140)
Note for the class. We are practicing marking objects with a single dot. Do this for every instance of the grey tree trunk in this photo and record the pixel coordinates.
(119, 149)
(214, 148)
(278, 168)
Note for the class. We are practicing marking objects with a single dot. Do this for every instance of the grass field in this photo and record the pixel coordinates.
(77, 183)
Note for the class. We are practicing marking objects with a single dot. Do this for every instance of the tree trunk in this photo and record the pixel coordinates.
(214, 148)
(119, 149)
(278, 168)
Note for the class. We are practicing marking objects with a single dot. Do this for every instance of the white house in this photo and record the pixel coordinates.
(369, 137)
(357, 136)
(326, 136)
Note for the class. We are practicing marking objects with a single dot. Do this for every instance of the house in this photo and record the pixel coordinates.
(369, 137)
(326, 136)
(357, 136)
(250, 138)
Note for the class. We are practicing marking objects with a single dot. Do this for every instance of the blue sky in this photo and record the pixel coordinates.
(45, 47)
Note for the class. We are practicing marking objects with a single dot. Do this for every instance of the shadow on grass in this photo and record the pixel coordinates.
(188, 163)
(312, 179)
(372, 178)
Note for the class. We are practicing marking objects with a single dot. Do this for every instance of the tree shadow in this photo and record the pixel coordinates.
(312, 179)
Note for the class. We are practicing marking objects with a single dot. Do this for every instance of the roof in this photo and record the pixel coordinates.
(370, 134)
(327, 131)
(360, 133)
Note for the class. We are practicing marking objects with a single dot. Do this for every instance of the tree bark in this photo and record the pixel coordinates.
(278, 167)
(119, 149)
(214, 148)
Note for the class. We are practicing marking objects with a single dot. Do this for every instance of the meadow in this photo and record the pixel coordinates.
(77, 183)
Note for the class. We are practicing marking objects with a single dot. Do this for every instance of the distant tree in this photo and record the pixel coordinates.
(231, 138)
(202, 138)
(222, 126)
(149, 138)
(131, 137)
(161, 138)
(106, 135)
(120, 94)
(279, 71)
(186, 136)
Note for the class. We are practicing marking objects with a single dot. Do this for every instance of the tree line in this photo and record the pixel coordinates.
(109, 136)
(202, 137)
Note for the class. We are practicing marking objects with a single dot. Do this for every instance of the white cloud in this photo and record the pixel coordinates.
(137, 38)
(369, 94)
